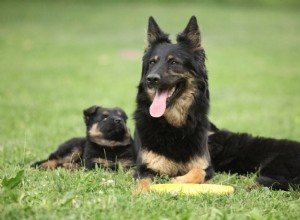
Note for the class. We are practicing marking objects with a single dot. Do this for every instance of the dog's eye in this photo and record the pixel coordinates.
(104, 117)
(151, 62)
(173, 62)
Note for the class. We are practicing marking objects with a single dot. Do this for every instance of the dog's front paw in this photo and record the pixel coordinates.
(48, 164)
(193, 176)
(142, 187)
(177, 180)
(71, 166)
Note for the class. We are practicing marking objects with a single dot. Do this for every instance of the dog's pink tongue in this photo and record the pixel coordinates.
(159, 103)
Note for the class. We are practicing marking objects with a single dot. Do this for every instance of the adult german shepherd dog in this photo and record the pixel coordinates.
(172, 108)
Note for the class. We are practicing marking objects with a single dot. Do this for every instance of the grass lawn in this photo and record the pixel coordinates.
(59, 57)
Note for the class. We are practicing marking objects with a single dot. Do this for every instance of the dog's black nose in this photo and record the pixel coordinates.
(153, 78)
(118, 120)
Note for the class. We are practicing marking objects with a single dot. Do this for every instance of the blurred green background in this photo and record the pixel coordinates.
(59, 57)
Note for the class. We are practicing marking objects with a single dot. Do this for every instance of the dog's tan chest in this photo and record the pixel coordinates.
(177, 115)
(166, 166)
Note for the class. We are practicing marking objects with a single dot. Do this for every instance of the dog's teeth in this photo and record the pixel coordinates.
(171, 92)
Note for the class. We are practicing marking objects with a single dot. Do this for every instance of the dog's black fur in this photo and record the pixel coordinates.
(276, 161)
(176, 142)
(68, 154)
(107, 143)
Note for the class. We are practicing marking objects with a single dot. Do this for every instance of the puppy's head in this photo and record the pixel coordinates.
(106, 126)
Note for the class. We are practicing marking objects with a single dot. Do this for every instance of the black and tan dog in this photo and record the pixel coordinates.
(107, 143)
(276, 161)
(172, 107)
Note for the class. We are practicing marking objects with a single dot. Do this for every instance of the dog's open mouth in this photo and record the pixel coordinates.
(163, 98)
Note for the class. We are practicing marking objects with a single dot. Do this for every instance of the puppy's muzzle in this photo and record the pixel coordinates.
(117, 120)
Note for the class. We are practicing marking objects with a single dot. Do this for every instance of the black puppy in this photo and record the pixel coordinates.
(277, 161)
(107, 143)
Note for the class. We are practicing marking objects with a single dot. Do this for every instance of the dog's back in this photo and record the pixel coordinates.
(277, 161)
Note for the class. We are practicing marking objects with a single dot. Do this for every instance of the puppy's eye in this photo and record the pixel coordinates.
(152, 62)
(173, 62)
(104, 117)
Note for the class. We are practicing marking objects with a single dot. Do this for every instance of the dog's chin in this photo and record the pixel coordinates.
(112, 139)
(117, 134)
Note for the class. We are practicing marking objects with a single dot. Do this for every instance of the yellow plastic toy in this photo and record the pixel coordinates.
(192, 189)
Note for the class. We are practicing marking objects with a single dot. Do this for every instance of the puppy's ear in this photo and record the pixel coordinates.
(89, 112)
(191, 35)
(155, 34)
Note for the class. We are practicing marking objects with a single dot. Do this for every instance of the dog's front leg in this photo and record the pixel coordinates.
(46, 164)
(144, 177)
(195, 175)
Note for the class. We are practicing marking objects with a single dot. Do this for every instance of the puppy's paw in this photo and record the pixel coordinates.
(49, 164)
(71, 166)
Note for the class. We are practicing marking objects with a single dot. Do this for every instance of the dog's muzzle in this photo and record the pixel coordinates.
(153, 79)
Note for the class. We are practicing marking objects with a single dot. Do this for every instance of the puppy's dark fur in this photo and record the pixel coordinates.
(107, 143)
(174, 143)
(276, 161)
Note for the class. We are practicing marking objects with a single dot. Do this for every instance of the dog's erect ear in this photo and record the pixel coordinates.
(191, 35)
(155, 34)
(87, 113)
